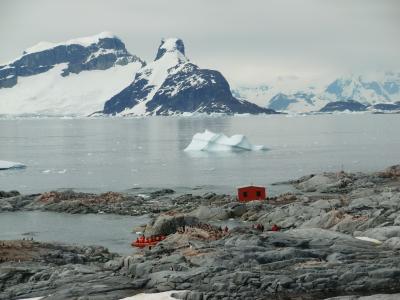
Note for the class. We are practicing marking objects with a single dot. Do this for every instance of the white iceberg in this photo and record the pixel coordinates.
(5, 165)
(216, 142)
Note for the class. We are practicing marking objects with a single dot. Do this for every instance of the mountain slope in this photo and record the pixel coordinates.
(171, 84)
(380, 88)
(74, 77)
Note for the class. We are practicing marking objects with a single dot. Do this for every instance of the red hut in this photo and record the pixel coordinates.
(250, 193)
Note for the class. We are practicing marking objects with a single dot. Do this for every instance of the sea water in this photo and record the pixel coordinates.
(121, 154)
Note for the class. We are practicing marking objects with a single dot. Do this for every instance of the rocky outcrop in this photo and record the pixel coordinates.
(168, 224)
(33, 269)
(387, 106)
(339, 237)
(349, 105)
(302, 263)
(68, 201)
(5, 194)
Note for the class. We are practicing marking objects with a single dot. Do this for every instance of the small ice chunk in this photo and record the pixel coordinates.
(5, 165)
(367, 239)
(215, 142)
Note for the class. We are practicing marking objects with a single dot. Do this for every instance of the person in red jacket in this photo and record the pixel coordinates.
(275, 228)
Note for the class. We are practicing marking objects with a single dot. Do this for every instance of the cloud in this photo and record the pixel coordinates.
(246, 40)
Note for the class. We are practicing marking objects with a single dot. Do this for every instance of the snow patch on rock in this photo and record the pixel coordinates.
(83, 41)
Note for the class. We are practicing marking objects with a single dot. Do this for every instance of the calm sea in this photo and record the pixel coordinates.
(120, 154)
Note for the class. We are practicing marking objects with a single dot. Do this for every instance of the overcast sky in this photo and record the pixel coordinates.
(249, 41)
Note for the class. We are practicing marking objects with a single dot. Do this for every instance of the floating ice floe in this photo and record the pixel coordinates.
(215, 142)
(5, 165)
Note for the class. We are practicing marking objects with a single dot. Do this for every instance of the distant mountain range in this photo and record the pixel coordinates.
(98, 75)
(381, 90)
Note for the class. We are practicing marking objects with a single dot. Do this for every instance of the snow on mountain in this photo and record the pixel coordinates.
(255, 94)
(83, 41)
(299, 102)
(367, 89)
(171, 84)
(74, 77)
(371, 89)
(285, 93)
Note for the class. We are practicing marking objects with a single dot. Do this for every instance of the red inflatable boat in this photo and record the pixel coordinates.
(143, 242)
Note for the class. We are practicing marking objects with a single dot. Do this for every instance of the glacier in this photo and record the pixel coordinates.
(216, 142)
(5, 165)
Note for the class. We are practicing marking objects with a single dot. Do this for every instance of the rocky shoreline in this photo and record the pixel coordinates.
(72, 202)
(340, 237)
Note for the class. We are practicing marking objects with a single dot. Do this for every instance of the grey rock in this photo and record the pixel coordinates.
(393, 243)
(381, 233)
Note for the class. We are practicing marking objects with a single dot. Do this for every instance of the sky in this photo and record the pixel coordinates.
(250, 41)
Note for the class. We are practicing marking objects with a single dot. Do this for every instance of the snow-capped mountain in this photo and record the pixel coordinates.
(365, 89)
(74, 77)
(371, 89)
(171, 84)
(256, 94)
(296, 102)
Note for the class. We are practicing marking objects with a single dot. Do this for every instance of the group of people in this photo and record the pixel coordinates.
(260, 227)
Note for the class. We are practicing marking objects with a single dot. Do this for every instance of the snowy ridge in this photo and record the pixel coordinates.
(216, 142)
(155, 73)
(83, 41)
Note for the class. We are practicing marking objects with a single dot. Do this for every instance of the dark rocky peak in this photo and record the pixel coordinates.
(170, 45)
(349, 105)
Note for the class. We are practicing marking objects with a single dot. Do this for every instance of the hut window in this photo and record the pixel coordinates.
(244, 194)
(258, 193)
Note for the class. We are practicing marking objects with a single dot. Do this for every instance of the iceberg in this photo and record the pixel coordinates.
(5, 165)
(216, 142)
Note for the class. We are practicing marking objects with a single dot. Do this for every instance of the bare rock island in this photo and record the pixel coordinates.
(339, 237)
